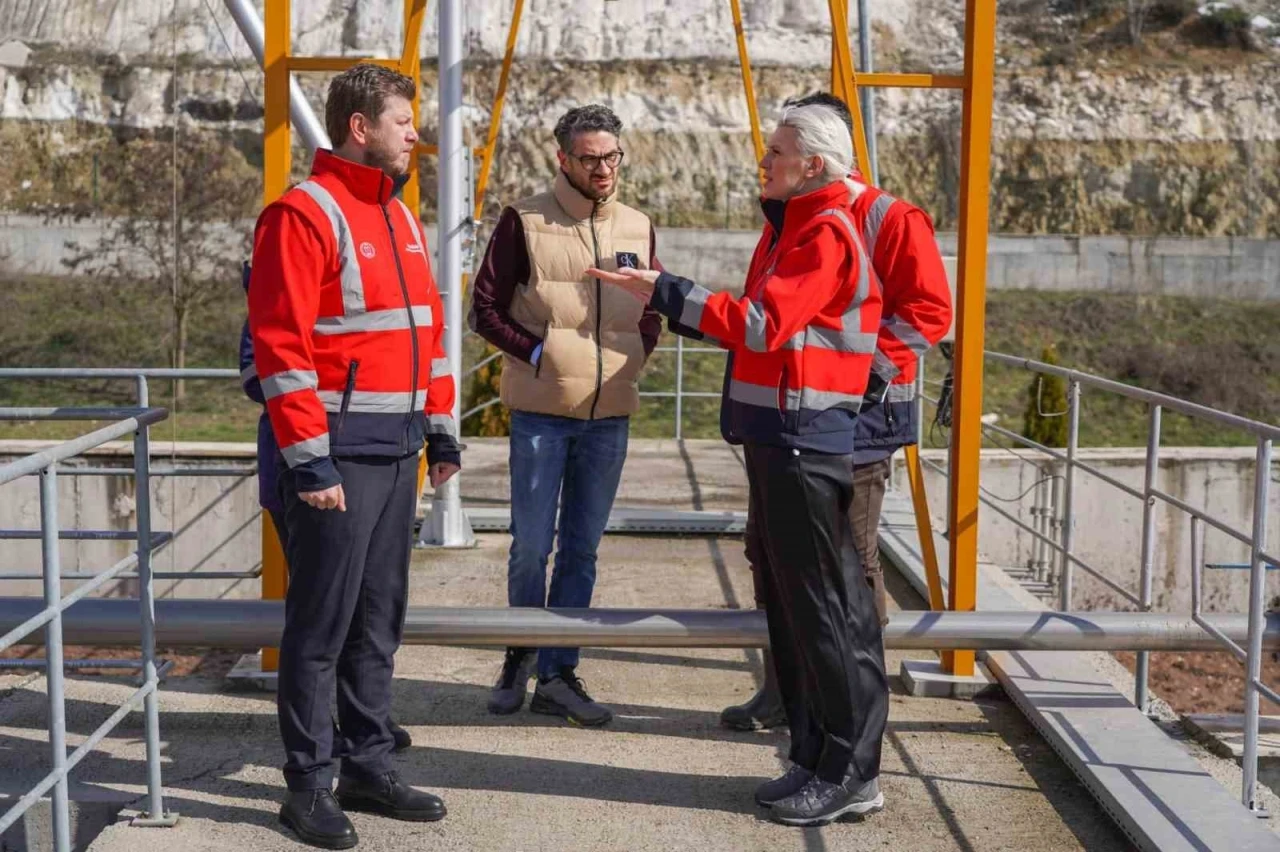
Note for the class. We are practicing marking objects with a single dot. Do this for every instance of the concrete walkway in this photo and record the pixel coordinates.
(665, 776)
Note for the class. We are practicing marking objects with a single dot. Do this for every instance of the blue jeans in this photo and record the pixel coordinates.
(575, 464)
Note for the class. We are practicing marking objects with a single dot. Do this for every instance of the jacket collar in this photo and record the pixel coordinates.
(364, 182)
(801, 208)
(577, 205)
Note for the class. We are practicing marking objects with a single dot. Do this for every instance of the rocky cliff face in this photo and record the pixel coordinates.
(1139, 149)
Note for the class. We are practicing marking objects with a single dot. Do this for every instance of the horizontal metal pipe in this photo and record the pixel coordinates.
(47, 458)
(157, 538)
(133, 575)
(253, 624)
(1191, 409)
(118, 373)
(159, 471)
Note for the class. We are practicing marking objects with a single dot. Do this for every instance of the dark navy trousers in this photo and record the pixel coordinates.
(344, 617)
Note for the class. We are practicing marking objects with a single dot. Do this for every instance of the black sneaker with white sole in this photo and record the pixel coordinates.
(792, 782)
(565, 695)
(821, 802)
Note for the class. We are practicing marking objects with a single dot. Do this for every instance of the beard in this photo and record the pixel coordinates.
(386, 158)
(588, 190)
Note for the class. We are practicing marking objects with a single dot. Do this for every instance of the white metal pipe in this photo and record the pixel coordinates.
(53, 648)
(448, 523)
(866, 93)
(254, 624)
(310, 128)
(1258, 619)
(1142, 671)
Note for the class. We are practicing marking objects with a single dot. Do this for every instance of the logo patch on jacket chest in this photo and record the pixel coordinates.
(627, 260)
(366, 249)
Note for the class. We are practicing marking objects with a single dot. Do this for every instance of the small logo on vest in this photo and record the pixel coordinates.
(627, 260)
(366, 249)
(413, 248)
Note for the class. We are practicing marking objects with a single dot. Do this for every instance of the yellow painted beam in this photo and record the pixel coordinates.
(881, 79)
(275, 579)
(276, 151)
(847, 77)
(410, 65)
(425, 150)
(924, 527)
(748, 84)
(277, 160)
(495, 116)
(975, 187)
(335, 63)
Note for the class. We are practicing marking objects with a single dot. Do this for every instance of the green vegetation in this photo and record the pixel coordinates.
(1214, 351)
(1044, 420)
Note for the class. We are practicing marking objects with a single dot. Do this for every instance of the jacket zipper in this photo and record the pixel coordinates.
(346, 393)
(413, 331)
(595, 247)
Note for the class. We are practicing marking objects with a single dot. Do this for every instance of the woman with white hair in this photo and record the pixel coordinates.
(801, 340)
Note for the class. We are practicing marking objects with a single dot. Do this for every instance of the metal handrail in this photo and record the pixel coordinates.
(45, 463)
(1263, 433)
(1172, 403)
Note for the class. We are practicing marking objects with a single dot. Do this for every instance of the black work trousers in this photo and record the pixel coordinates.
(344, 616)
(823, 629)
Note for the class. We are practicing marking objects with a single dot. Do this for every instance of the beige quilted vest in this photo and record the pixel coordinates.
(592, 352)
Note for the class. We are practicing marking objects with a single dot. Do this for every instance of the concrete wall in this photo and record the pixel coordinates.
(1108, 522)
(1209, 266)
(217, 518)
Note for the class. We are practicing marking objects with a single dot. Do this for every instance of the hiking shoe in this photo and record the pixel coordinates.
(565, 695)
(821, 802)
(771, 792)
(513, 683)
(317, 819)
(762, 710)
(388, 796)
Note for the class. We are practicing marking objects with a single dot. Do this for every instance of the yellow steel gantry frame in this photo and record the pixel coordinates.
(977, 85)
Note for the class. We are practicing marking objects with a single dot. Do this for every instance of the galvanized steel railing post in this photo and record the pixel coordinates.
(679, 387)
(53, 656)
(1257, 608)
(1068, 489)
(147, 615)
(1142, 674)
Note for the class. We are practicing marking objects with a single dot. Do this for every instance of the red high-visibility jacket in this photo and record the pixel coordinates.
(917, 314)
(803, 334)
(347, 325)
(917, 298)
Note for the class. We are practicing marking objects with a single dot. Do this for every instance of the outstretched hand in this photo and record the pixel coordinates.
(637, 282)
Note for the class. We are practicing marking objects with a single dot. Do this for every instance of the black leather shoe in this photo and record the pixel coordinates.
(402, 738)
(317, 819)
(388, 797)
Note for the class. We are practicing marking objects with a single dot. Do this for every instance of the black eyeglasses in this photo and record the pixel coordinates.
(590, 162)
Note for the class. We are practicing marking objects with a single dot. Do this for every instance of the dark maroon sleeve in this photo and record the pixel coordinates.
(651, 320)
(505, 267)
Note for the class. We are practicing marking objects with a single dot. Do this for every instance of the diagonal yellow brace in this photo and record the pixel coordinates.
(748, 84)
(845, 79)
(924, 527)
(495, 117)
(410, 65)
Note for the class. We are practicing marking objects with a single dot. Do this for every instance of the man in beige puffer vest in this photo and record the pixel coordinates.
(572, 355)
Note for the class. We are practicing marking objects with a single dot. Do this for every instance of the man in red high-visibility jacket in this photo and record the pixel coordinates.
(916, 315)
(347, 339)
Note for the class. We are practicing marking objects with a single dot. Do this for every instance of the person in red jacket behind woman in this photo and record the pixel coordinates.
(347, 331)
(801, 341)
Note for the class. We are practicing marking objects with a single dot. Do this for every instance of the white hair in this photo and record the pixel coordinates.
(821, 132)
